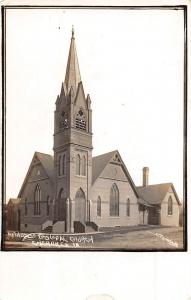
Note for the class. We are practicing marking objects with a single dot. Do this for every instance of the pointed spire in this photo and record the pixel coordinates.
(72, 77)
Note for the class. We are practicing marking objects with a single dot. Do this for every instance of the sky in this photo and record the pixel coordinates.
(131, 64)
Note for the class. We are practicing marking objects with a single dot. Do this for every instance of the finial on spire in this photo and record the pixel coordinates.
(72, 31)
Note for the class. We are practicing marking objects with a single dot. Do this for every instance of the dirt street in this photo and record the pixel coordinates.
(135, 238)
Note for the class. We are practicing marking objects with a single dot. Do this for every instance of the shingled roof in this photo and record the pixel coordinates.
(47, 161)
(99, 163)
(154, 194)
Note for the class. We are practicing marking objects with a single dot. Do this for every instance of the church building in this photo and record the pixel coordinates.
(72, 191)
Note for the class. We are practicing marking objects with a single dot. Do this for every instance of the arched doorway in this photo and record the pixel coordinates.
(62, 207)
(80, 206)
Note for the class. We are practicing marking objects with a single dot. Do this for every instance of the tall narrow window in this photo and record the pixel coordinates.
(128, 208)
(64, 164)
(83, 166)
(37, 200)
(99, 206)
(78, 163)
(61, 207)
(25, 206)
(81, 120)
(59, 166)
(48, 206)
(170, 206)
(114, 201)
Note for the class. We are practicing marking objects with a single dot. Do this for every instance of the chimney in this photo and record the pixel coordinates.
(145, 176)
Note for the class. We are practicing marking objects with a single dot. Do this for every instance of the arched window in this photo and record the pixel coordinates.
(78, 163)
(59, 166)
(37, 200)
(61, 193)
(170, 206)
(128, 207)
(81, 120)
(80, 206)
(25, 206)
(99, 206)
(61, 207)
(83, 166)
(114, 201)
(64, 164)
(48, 206)
(80, 194)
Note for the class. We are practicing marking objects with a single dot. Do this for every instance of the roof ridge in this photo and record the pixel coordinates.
(37, 152)
(141, 186)
(105, 153)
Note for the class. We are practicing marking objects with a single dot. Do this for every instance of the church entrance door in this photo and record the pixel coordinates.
(80, 206)
(62, 207)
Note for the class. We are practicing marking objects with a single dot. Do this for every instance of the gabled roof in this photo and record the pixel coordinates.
(154, 194)
(100, 162)
(47, 162)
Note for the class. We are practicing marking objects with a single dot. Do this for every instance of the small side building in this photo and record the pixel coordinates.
(160, 202)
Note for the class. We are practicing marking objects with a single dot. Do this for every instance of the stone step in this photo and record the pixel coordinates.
(47, 229)
(89, 229)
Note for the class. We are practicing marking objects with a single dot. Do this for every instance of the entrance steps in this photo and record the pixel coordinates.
(60, 227)
(91, 226)
(89, 229)
(47, 229)
(47, 226)
(81, 227)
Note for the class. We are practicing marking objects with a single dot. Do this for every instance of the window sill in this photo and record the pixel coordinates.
(81, 176)
(114, 217)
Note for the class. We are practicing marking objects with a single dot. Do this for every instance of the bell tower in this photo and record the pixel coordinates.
(72, 146)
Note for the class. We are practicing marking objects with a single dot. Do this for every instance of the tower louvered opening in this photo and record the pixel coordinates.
(81, 120)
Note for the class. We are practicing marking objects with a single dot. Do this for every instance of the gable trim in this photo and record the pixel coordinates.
(129, 179)
(175, 194)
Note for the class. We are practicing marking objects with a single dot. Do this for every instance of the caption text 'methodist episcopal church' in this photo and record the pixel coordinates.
(75, 192)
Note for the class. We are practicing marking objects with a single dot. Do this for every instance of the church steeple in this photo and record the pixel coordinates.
(72, 77)
(72, 145)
